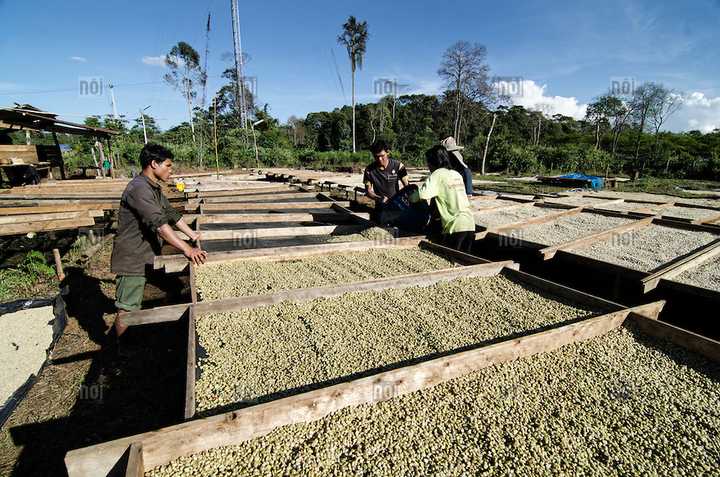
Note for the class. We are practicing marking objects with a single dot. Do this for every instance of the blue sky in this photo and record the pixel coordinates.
(566, 52)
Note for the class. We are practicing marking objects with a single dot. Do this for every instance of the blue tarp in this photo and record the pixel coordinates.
(595, 182)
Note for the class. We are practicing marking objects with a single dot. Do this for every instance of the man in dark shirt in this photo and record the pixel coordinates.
(145, 218)
(383, 177)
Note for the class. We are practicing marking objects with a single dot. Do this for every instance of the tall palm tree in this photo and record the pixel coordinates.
(354, 37)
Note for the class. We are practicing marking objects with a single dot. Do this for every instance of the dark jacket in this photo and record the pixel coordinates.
(143, 209)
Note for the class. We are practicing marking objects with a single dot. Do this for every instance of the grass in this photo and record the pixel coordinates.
(31, 278)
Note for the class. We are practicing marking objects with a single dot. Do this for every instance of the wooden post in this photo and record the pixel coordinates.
(62, 162)
(58, 265)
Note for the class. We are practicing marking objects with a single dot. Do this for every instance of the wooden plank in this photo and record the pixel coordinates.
(696, 343)
(175, 312)
(159, 314)
(135, 464)
(677, 266)
(245, 192)
(573, 295)
(525, 223)
(708, 220)
(20, 219)
(45, 226)
(269, 218)
(714, 229)
(168, 444)
(455, 255)
(249, 234)
(549, 252)
(272, 206)
(190, 365)
(49, 209)
(422, 279)
(503, 207)
(260, 197)
(177, 263)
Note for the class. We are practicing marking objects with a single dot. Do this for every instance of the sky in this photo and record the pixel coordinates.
(554, 56)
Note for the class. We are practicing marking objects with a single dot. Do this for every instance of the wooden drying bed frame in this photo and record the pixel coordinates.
(142, 452)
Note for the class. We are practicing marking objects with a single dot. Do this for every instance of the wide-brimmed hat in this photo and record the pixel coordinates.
(450, 144)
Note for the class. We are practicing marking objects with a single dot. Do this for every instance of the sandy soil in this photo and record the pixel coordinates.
(24, 338)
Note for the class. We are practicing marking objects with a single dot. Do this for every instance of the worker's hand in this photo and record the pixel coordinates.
(196, 255)
(385, 200)
(195, 237)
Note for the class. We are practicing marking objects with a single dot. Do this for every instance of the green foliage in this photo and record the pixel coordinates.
(18, 282)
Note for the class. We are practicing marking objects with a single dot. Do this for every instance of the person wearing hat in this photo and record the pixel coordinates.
(446, 187)
(458, 163)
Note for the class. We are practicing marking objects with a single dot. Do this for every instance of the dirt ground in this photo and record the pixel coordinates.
(87, 394)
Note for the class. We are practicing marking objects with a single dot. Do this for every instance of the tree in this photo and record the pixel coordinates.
(465, 73)
(600, 111)
(667, 102)
(354, 38)
(185, 73)
(644, 100)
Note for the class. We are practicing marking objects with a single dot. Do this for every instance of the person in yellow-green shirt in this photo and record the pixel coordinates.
(446, 186)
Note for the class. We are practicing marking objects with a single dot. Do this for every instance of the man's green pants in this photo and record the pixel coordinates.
(129, 292)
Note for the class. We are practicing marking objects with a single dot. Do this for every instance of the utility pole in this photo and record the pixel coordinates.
(217, 160)
(487, 144)
(142, 115)
(257, 155)
(237, 48)
(112, 100)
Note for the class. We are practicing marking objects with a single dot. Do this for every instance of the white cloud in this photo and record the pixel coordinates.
(698, 111)
(154, 60)
(532, 96)
(78, 59)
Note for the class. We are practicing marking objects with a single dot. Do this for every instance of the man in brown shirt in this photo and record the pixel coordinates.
(145, 219)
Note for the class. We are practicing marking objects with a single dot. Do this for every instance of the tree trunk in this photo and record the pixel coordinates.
(353, 107)
(487, 143)
(192, 124)
(597, 136)
(457, 111)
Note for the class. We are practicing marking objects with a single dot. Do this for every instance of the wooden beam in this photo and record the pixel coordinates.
(701, 345)
(244, 191)
(498, 208)
(242, 425)
(677, 266)
(269, 218)
(135, 464)
(32, 218)
(272, 206)
(175, 312)
(456, 255)
(712, 219)
(255, 198)
(422, 279)
(525, 223)
(49, 209)
(549, 252)
(177, 263)
(249, 234)
(714, 229)
(190, 365)
(46, 226)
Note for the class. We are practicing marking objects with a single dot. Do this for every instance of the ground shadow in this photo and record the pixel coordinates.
(141, 390)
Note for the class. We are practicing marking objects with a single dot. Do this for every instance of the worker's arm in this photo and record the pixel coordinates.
(157, 217)
(426, 191)
(403, 175)
(194, 254)
(185, 228)
(370, 192)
